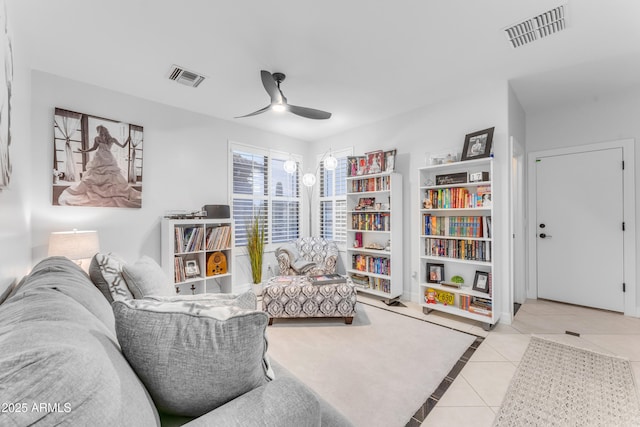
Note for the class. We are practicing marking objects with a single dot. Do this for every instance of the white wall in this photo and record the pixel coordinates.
(185, 166)
(15, 236)
(517, 245)
(607, 118)
(431, 129)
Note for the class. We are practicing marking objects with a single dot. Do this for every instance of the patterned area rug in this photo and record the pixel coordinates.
(560, 385)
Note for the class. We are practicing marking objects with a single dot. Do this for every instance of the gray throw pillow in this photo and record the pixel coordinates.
(146, 277)
(301, 265)
(105, 272)
(193, 357)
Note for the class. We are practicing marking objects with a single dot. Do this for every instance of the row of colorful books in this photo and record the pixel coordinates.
(380, 183)
(475, 250)
(458, 226)
(371, 264)
(457, 198)
(371, 221)
(477, 305)
(218, 238)
(188, 239)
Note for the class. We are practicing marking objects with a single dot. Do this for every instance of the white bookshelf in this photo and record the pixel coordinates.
(460, 238)
(211, 238)
(375, 271)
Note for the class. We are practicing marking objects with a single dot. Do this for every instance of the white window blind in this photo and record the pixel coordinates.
(333, 200)
(262, 186)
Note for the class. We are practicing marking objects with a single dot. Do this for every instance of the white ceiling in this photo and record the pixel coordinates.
(362, 60)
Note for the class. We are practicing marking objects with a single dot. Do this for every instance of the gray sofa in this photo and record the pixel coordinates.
(61, 364)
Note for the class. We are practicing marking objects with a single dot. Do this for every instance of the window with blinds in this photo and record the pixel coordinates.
(262, 187)
(333, 200)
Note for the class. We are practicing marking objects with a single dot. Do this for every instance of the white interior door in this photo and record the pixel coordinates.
(579, 216)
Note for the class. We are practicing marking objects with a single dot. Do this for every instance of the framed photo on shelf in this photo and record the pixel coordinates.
(362, 165)
(435, 272)
(191, 268)
(481, 282)
(390, 161)
(477, 144)
(352, 165)
(375, 162)
(365, 203)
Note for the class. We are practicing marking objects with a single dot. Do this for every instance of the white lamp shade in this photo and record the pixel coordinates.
(74, 245)
(309, 179)
(290, 166)
(330, 163)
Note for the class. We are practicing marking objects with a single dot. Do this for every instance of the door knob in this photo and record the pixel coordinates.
(544, 236)
(542, 226)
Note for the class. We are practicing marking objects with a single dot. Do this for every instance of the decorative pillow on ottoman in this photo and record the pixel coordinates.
(106, 273)
(146, 277)
(193, 357)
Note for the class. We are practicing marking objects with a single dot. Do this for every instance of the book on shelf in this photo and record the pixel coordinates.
(486, 226)
(188, 239)
(327, 279)
(360, 280)
(218, 238)
(458, 197)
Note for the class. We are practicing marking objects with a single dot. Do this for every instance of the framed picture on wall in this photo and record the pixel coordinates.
(96, 161)
(477, 144)
(6, 82)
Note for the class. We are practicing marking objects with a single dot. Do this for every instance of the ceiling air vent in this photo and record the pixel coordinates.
(535, 28)
(185, 77)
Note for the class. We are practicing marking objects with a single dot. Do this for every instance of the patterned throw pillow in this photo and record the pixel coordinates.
(106, 273)
(193, 356)
(146, 277)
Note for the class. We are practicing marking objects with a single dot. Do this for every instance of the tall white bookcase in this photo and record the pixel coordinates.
(189, 242)
(374, 233)
(456, 211)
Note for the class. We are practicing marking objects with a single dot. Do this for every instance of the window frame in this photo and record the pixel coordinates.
(270, 197)
(334, 199)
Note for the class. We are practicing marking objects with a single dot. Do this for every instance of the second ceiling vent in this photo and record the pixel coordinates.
(185, 77)
(539, 26)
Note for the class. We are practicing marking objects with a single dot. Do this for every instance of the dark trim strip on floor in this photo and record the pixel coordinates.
(421, 414)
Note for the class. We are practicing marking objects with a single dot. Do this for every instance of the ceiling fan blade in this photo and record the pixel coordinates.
(260, 111)
(309, 113)
(271, 87)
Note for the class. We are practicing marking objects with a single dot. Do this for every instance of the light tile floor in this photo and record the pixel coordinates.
(476, 394)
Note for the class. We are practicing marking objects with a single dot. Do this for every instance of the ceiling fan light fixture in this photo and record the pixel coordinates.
(279, 108)
(271, 83)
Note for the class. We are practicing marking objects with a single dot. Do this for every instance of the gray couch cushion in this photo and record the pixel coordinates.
(192, 356)
(58, 346)
(247, 300)
(146, 277)
(67, 278)
(106, 273)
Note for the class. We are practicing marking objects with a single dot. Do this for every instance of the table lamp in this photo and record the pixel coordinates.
(75, 245)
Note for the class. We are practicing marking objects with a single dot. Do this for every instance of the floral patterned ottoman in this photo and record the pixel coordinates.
(295, 296)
